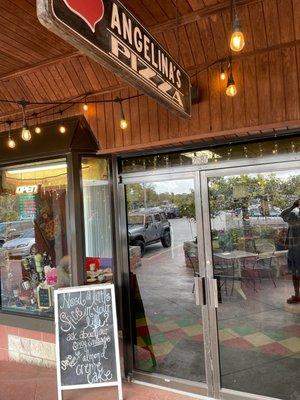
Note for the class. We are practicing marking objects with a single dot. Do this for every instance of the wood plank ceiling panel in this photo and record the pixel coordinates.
(23, 40)
(267, 78)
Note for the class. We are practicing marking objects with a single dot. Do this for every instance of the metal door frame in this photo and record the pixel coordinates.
(283, 165)
(199, 388)
(200, 174)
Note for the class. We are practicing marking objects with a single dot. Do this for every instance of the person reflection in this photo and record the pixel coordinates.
(291, 215)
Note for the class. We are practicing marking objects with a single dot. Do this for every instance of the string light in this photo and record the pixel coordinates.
(293, 147)
(275, 151)
(10, 142)
(222, 74)
(62, 129)
(26, 135)
(229, 153)
(123, 122)
(37, 128)
(85, 105)
(231, 90)
(237, 40)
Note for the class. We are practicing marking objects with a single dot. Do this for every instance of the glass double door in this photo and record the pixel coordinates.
(238, 235)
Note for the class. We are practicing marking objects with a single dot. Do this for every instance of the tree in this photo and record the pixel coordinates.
(8, 208)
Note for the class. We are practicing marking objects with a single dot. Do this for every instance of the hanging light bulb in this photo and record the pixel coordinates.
(62, 129)
(123, 122)
(231, 90)
(26, 135)
(222, 74)
(37, 128)
(85, 107)
(10, 142)
(237, 40)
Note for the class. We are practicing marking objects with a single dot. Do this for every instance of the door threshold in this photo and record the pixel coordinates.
(171, 384)
(168, 389)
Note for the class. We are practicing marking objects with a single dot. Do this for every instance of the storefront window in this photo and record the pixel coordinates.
(212, 155)
(97, 220)
(33, 236)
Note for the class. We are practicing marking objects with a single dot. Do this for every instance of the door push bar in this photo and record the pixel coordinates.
(206, 292)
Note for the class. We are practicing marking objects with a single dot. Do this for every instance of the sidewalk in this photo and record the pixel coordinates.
(23, 381)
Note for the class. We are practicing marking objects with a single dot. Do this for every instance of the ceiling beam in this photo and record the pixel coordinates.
(198, 14)
(42, 64)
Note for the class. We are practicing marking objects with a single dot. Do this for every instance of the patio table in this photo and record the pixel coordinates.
(234, 258)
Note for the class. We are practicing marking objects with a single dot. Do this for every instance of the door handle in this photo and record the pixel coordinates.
(213, 292)
(203, 287)
(200, 291)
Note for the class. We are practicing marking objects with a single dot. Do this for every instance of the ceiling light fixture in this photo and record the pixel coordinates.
(237, 40)
(10, 142)
(123, 122)
(26, 135)
(231, 90)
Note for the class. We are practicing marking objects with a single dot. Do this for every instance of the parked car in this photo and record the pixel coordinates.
(146, 228)
(12, 229)
(22, 245)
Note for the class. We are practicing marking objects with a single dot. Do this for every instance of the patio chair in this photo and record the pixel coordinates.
(222, 271)
(264, 245)
(192, 260)
(263, 263)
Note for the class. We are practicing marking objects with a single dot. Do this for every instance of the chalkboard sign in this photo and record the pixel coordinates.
(44, 298)
(87, 348)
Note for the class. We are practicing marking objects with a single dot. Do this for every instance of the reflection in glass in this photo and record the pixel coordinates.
(213, 155)
(255, 242)
(97, 220)
(167, 327)
(33, 236)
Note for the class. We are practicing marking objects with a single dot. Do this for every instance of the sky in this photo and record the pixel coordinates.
(186, 185)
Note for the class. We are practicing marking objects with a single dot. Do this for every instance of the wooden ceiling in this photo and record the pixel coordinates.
(38, 66)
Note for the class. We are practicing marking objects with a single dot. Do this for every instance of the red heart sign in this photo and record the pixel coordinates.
(91, 11)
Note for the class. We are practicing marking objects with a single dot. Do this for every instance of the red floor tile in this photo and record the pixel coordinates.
(293, 329)
(274, 349)
(237, 343)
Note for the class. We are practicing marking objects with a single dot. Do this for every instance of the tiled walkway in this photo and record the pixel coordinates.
(259, 336)
(19, 382)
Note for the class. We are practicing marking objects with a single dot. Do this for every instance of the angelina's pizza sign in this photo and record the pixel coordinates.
(106, 31)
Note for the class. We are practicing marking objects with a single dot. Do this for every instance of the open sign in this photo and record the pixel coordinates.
(33, 189)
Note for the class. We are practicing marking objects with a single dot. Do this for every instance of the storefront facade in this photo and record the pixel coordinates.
(182, 215)
(218, 208)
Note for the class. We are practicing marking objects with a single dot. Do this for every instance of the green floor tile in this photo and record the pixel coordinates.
(145, 365)
(156, 319)
(277, 335)
(157, 338)
(243, 330)
(186, 322)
